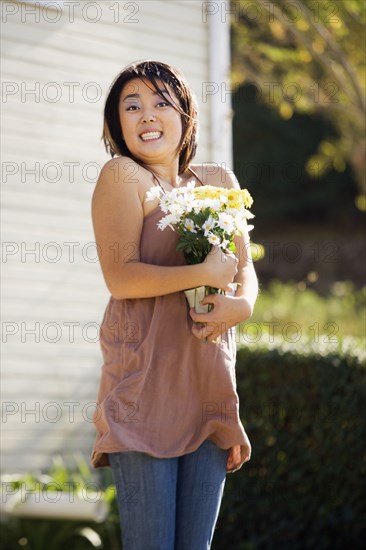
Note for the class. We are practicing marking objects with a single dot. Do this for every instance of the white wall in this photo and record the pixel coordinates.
(49, 376)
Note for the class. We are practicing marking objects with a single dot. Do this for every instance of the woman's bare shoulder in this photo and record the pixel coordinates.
(121, 175)
(117, 193)
(122, 169)
(219, 175)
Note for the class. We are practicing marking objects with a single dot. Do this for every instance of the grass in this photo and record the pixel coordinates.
(297, 314)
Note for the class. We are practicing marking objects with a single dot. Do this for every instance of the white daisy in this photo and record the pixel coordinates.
(189, 225)
(213, 239)
(226, 222)
(186, 202)
(165, 203)
(153, 193)
(170, 220)
(208, 225)
(214, 204)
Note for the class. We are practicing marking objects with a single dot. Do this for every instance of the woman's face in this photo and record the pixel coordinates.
(151, 127)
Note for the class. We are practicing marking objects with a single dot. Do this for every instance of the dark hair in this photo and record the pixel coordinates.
(152, 71)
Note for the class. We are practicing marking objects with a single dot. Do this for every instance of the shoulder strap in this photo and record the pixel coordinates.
(157, 181)
(195, 175)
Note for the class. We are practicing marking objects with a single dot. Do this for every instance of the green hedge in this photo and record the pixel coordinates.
(304, 486)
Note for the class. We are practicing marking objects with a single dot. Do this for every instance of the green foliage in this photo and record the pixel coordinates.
(304, 486)
(38, 534)
(195, 246)
(271, 158)
(321, 319)
(306, 56)
(53, 534)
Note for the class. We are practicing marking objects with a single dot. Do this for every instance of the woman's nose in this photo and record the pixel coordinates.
(148, 118)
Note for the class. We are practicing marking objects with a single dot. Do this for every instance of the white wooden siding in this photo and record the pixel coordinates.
(45, 375)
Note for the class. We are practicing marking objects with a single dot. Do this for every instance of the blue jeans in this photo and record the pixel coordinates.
(169, 503)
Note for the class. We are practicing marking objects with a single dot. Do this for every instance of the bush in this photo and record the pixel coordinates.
(304, 486)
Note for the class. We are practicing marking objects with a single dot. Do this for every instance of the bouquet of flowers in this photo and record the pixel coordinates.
(203, 216)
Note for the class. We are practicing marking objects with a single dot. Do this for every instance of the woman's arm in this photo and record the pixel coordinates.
(117, 215)
(247, 291)
(228, 311)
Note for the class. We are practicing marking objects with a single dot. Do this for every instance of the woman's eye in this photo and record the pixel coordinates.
(163, 104)
(132, 108)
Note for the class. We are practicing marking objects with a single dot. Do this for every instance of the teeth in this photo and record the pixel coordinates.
(150, 135)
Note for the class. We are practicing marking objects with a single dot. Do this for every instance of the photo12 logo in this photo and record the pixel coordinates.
(267, 11)
(50, 92)
(70, 11)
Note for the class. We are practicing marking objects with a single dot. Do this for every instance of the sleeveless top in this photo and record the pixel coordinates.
(162, 391)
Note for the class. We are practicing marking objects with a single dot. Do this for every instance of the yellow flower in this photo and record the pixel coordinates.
(207, 192)
(236, 197)
(247, 198)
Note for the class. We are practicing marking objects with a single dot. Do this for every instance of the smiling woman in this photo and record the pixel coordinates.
(169, 85)
(151, 121)
(168, 414)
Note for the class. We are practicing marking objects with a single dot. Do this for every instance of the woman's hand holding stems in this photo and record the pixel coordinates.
(227, 312)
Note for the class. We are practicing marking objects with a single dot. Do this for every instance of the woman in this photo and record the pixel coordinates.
(168, 416)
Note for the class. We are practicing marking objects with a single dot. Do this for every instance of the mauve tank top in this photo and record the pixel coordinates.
(162, 391)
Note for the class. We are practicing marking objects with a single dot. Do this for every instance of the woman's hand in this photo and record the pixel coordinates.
(221, 268)
(227, 312)
(238, 454)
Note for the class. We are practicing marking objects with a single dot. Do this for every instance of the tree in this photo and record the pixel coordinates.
(308, 56)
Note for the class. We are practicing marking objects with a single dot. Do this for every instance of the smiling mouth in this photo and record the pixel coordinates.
(151, 136)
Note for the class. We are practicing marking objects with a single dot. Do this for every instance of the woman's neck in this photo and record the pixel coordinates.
(168, 173)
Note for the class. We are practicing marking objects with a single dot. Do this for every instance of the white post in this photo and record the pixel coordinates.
(220, 101)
